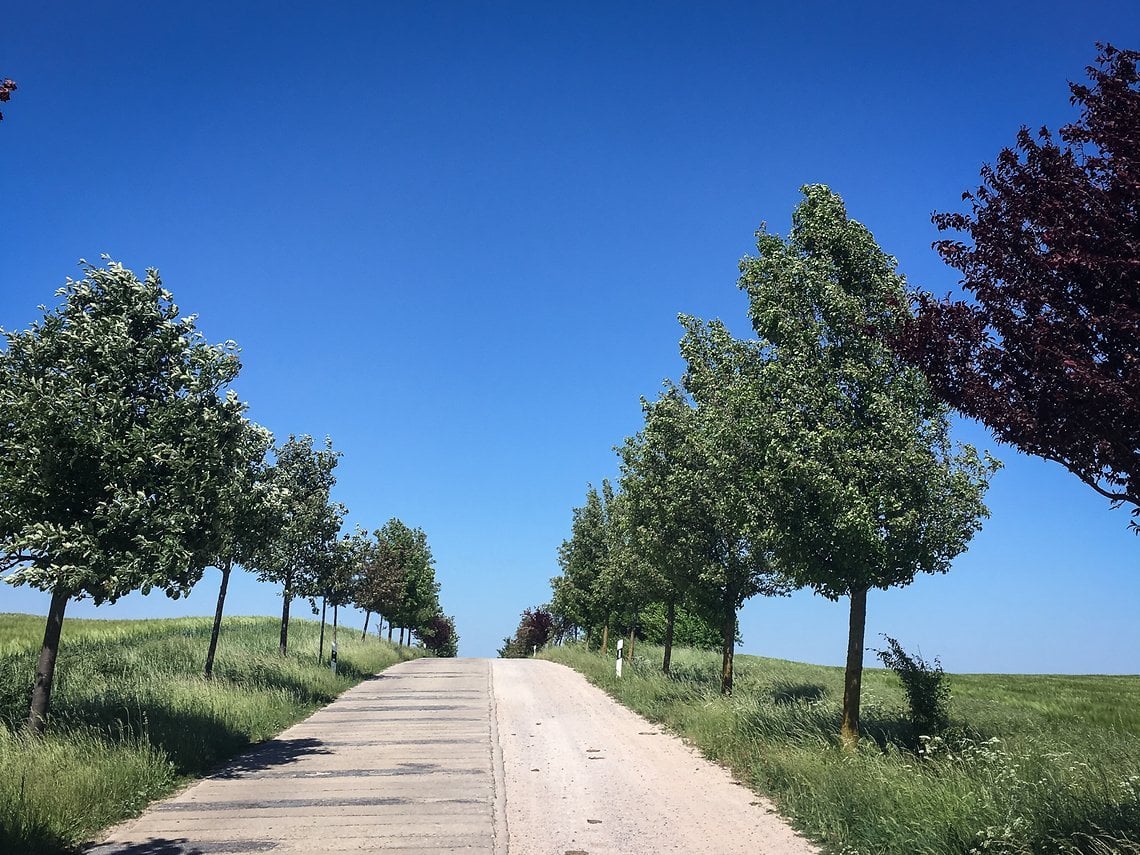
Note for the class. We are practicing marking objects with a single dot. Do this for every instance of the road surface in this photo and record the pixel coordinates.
(502, 757)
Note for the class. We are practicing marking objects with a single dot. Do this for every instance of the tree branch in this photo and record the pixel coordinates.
(1090, 481)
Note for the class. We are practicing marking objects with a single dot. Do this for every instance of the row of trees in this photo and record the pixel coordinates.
(810, 456)
(818, 454)
(127, 464)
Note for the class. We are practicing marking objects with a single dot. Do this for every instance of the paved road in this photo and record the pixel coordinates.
(405, 762)
(465, 755)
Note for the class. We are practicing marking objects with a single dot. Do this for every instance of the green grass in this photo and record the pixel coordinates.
(1036, 764)
(132, 719)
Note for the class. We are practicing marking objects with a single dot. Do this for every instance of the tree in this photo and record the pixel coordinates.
(337, 579)
(400, 581)
(440, 637)
(7, 87)
(1047, 354)
(534, 631)
(248, 517)
(728, 480)
(867, 489)
(582, 558)
(116, 449)
(656, 467)
(303, 475)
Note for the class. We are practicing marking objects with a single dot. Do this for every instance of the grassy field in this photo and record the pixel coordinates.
(1035, 764)
(133, 719)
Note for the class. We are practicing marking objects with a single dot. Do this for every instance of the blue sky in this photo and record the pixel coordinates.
(455, 237)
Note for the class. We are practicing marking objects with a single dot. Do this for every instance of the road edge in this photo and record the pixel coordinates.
(501, 831)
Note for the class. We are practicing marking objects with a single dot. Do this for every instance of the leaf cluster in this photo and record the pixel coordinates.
(1046, 350)
(119, 441)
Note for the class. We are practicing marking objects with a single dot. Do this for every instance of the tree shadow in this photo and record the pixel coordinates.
(792, 693)
(271, 753)
(153, 846)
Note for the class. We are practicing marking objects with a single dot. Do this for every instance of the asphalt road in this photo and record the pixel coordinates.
(502, 757)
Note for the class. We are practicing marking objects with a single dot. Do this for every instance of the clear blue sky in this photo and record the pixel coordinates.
(455, 237)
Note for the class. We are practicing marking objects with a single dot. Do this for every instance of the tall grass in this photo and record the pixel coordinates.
(1033, 764)
(132, 718)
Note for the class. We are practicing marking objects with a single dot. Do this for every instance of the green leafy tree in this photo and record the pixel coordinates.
(247, 518)
(117, 448)
(627, 583)
(728, 478)
(687, 627)
(582, 557)
(657, 468)
(868, 489)
(337, 579)
(303, 476)
(401, 580)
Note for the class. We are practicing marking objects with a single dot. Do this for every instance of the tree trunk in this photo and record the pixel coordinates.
(364, 632)
(321, 643)
(45, 668)
(587, 639)
(389, 630)
(286, 597)
(379, 626)
(632, 638)
(853, 677)
(605, 639)
(670, 620)
(217, 628)
(728, 642)
(335, 607)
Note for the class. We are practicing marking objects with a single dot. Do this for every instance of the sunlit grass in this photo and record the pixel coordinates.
(1036, 764)
(132, 717)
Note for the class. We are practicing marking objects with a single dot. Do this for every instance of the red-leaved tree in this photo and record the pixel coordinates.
(7, 87)
(1047, 353)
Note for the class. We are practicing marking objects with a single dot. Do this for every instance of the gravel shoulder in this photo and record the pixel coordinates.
(586, 776)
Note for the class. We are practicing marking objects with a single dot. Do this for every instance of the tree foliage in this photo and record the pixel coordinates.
(306, 539)
(535, 629)
(867, 489)
(439, 636)
(399, 577)
(7, 87)
(577, 597)
(118, 448)
(656, 467)
(1047, 352)
(247, 518)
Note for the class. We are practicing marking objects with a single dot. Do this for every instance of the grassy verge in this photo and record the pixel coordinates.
(1036, 764)
(133, 719)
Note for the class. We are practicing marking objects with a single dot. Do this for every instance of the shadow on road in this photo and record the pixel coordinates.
(269, 754)
(154, 846)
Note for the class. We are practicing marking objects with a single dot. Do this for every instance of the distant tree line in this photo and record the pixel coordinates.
(127, 464)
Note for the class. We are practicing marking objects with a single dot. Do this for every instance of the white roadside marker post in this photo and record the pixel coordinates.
(333, 657)
(617, 666)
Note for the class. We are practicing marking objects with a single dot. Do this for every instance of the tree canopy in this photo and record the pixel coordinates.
(1047, 352)
(7, 87)
(867, 490)
(310, 522)
(118, 447)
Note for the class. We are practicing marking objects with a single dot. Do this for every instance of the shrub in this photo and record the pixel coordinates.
(927, 691)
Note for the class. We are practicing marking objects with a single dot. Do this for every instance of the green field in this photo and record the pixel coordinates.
(133, 719)
(1035, 764)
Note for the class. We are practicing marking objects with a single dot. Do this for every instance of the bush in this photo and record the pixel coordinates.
(927, 691)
